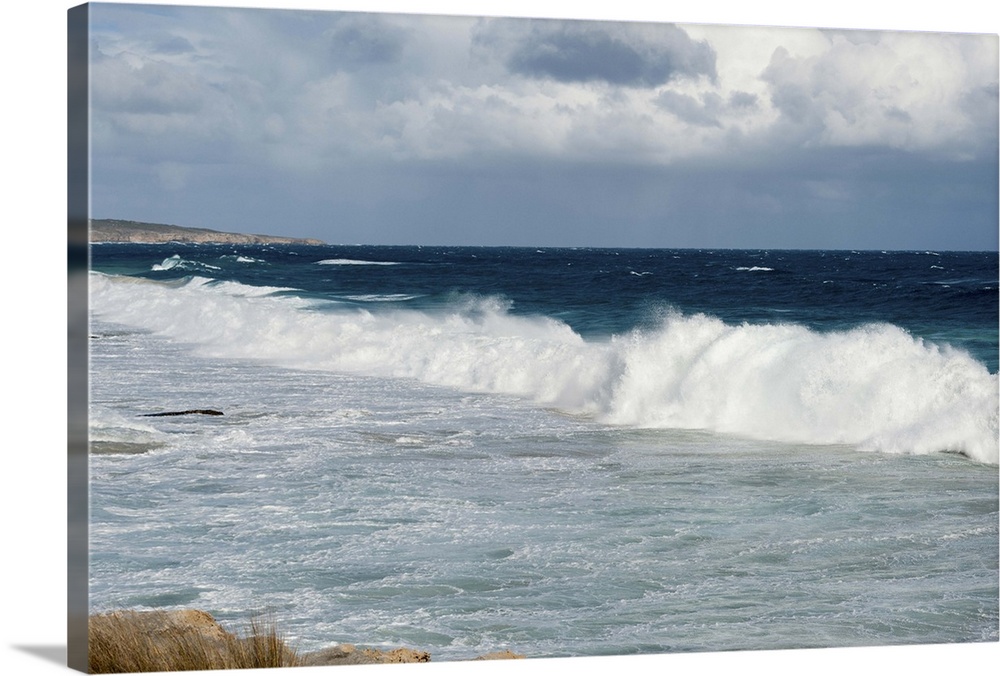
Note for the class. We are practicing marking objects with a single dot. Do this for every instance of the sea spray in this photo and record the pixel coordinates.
(875, 386)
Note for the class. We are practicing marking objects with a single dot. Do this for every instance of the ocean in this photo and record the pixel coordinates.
(561, 452)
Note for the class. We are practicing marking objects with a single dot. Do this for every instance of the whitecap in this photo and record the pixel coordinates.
(875, 387)
(351, 261)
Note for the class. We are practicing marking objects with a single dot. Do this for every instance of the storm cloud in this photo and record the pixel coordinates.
(618, 54)
(364, 39)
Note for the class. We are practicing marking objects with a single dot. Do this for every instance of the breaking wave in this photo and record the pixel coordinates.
(875, 387)
(176, 261)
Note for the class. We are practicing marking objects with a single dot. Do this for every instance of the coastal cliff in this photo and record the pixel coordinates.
(112, 230)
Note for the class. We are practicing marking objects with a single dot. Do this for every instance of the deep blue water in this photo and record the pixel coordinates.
(944, 297)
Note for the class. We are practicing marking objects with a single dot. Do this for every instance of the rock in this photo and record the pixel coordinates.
(193, 411)
(167, 627)
(501, 655)
(399, 656)
(338, 654)
(159, 623)
(348, 654)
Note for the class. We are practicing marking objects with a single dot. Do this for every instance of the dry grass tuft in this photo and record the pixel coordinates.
(133, 642)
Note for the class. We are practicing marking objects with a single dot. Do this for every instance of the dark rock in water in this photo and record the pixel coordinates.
(193, 411)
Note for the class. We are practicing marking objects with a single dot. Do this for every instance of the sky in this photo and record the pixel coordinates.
(388, 128)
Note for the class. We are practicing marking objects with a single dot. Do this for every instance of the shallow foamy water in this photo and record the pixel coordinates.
(383, 511)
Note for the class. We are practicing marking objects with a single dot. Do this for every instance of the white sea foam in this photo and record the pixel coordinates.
(110, 430)
(227, 288)
(380, 297)
(755, 268)
(875, 387)
(351, 261)
(168, 264)
(176, 261)
(109, 425)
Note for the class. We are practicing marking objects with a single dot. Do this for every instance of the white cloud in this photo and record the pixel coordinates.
(899, 90)
(625, 54)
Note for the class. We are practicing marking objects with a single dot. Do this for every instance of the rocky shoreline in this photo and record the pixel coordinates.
(165, 632)
(113, 230)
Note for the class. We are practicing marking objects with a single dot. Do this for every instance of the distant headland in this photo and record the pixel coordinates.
(112, 230)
